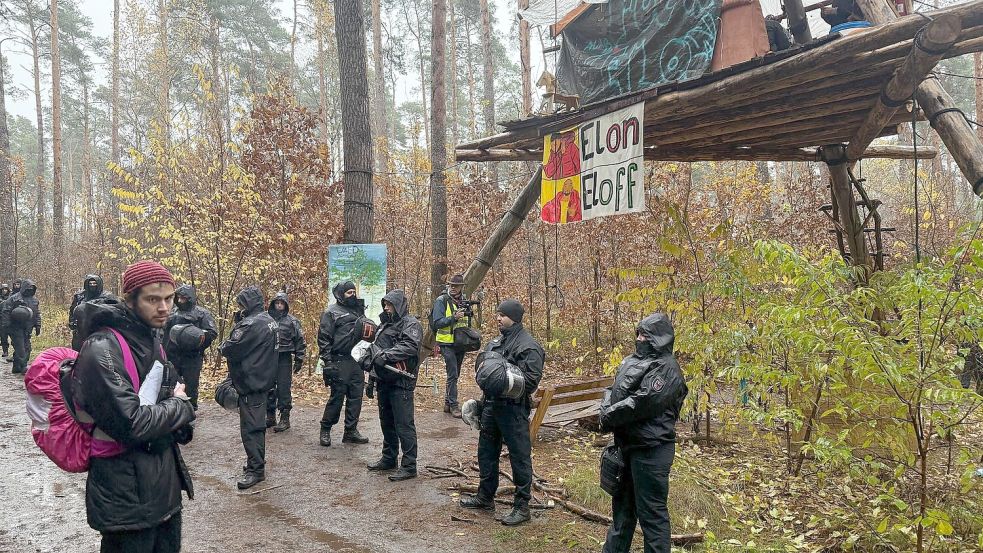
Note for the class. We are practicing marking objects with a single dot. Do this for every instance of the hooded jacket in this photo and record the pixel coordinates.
(190, 313)
(290, 339)
(643, 404)
(398, 341)
(141, 487)
(84, 295)
(18, 299)
(4, 291)
(337, 333)
(251, 347)
(518, 347)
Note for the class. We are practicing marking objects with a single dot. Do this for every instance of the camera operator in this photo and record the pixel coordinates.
(451, 310)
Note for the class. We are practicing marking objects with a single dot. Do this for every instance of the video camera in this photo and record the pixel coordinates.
(467, 306)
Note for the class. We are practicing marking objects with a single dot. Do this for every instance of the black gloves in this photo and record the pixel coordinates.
(37, 331)
(298, 363)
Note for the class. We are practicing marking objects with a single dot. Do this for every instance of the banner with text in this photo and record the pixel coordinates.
(594, 169)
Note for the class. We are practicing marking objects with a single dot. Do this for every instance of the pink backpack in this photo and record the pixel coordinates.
(63, 432)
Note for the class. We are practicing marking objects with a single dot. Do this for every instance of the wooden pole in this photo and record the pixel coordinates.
(966, 148)
(495, 244)
(849, 215)
(797, 23)
(930, 43)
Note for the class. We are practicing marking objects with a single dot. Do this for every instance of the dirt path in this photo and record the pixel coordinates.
(326, 499)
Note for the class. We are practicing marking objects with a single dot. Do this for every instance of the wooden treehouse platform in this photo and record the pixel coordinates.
(784, 106)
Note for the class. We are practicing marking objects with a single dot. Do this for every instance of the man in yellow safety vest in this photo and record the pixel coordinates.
(450, 311)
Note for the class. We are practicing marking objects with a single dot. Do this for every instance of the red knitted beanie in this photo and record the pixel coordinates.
(143, 273)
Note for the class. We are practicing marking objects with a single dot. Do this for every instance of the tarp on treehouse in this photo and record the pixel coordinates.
(625, 46)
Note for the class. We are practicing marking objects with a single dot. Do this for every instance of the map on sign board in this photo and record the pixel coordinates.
(363, 264)
(594, 169)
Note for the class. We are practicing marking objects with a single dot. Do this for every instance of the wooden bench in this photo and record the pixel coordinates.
(578, 400)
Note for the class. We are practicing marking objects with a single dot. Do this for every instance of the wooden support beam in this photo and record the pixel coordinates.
(495, 244)
(499, 155)
(963, 144)
(849, 215)
(900, 151)
(557, 28)
(930, 43)
(798, 25)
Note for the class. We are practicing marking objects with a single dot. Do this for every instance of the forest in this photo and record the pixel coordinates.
(822, 415)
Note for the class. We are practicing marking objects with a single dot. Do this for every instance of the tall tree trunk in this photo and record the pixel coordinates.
(354, 88)
(423, 77)
(90, 212)
(452, 43)
(218, 119)
(42, 161)
(322, 86)
(469, 61)
(488, 103)
(526, 64)
(293, 48)
(114, 108)
(165, 70)
(380, 123)
(57, 196)
(8, 256)
(438, 146)
(978, 72)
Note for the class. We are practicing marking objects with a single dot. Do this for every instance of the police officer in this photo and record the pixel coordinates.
(342, 327)
(251, 353)
(447, 314)
(641, 408)
(4, 339)
(5, 323)
(92, 288)
(19, 314)
(395, 360)
(290, 348)
(188, 358)
(507, 420)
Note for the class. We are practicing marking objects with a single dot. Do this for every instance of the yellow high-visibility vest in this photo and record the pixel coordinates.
(445, 335)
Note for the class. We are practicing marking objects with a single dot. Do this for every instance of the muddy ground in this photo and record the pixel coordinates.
(324, 499)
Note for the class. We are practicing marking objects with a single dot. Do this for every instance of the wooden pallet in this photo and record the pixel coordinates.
(565, 403)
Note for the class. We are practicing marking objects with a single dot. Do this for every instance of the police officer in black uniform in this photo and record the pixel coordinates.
(342, 327)
(4, 339)
(290, 348)
(92, 288)
(507, 420)
(251, 353)
(641, 408)
(189, 358)
(19, 314)
(395, 360)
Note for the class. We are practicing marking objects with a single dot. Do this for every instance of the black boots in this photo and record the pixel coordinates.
(477, 503)
(326, 437)
(284, 421)
(271, 419)
(519, 514)
(402, 474)
(353, 436)
(382, 465)
(249, 480)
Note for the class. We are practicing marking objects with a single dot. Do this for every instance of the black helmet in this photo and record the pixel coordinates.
(186, 337)
(497, 377)
(226, 395)
(22, 315)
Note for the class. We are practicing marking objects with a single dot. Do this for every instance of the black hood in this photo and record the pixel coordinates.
(109, 311)
(398, 299)
(282, 296)
(251, 299)
(187, 291)
(28, 284)
(4, 290)
(15, 287)
(99, 285)
(339, 290)
(658, 329)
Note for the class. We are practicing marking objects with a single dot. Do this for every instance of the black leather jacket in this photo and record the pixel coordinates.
(643, 404)
(141, 487)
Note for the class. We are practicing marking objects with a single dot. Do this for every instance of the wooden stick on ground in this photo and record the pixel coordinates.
(254, 492)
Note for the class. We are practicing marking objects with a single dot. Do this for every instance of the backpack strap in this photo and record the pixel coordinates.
(128, 363)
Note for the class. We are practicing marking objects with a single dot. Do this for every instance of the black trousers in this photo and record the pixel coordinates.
(508, 423)
(163, 538)
(252, 428)
(20, 338)
(279, 396)
(190, 370)
(4, 340)
(398, 423)
(643, 498)
(453, 360)
(346, 379)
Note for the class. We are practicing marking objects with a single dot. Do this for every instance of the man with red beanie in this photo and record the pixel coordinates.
(138, 424)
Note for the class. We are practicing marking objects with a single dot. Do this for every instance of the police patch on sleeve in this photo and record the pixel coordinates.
(415, 332)
(237, 334)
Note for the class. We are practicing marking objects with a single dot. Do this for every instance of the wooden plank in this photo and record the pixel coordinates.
(849, 214)
(573, 397)
(537, 419)
(602, 382)
(576, 414)
(573, 15)
(931, 42)
(561, 409)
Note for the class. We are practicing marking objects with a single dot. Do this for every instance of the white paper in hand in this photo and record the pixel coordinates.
(360, 350)
(150, 387)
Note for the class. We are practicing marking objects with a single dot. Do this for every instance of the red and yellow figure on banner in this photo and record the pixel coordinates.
(560, 194)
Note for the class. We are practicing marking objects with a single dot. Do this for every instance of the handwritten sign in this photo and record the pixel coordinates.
(594, 169)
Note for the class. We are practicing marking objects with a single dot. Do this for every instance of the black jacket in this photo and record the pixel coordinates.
(84, 295)
(141, 487)
(398, 341)
(251, 347)
(518, 347)
(290, 339)
(18, 299)
(190, 313)
(338, 332)
(643, 404)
